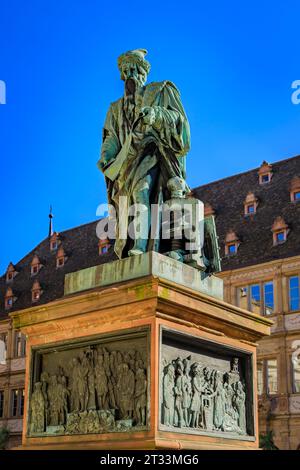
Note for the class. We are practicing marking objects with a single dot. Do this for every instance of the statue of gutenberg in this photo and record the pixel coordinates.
(146, 136)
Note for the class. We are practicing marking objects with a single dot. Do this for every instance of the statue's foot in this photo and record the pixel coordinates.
(135, 251)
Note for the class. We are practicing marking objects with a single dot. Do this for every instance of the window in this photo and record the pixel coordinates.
(296, 375)
(103, 246)
(3, 347)
(271, 366)
(295, 189)
(265, 178)
(280, 237)
(20, 345)
(267, 377)
(280, 231)
(36, 295)
(9, 298)
(35, 265)
(60, 262)
(54, 241)
(255, 298)
(10, 272)
(1, 403)
(250, 204)
(265, 173)
(260, 375)
(36, 291)
(17, 403)
(268, 298)
(294, 300)
(232, 249)
(232, 243)
(258, 298)
(60, 257)
(34, 269)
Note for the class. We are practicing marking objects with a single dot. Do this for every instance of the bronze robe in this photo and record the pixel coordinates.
(150, 155)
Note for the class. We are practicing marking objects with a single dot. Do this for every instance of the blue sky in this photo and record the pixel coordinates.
(234, 63)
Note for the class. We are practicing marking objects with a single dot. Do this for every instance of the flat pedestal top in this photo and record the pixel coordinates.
(150, 263)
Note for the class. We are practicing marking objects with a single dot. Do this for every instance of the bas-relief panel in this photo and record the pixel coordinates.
(204, 389)
(15, 425)
(295, 404)
(18, 364)
(96, 388)
(292, 321)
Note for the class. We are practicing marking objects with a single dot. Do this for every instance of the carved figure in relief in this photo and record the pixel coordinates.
(178, 390)
(239, 403)
(168, 395)
(62, 399)
(53, 397)
(198, 386)
(125, 387)
(219, 401)
(100, 382)
(187, 390)
(78, 386)
(230, 421)
(37, 409)
(140, 394)
(88, 371)
(45, 379)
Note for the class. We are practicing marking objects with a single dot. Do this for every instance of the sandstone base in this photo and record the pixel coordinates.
(162, 313)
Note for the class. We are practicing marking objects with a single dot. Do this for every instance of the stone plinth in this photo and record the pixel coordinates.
(166, 361)
(135, 267)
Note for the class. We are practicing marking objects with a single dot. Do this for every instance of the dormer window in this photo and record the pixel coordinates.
(35, 265)
(280, 231)
(265, 173)
(295, 189)
(250, 204)
(103, 246)
(232, 243)
(54, 241)
(9, 299)
(60, 257)
(36, 291)
(10, 272)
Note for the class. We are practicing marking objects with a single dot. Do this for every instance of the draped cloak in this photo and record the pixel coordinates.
(150, 154)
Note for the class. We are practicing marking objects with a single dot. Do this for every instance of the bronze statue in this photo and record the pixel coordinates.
(146, 136)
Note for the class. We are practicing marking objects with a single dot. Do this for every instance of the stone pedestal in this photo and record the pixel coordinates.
(138, 355)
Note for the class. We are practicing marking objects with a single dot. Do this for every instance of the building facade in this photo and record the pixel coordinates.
(257, 216)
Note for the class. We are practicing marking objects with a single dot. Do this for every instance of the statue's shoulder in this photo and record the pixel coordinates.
(115, 104)
(113, 108)
(159, 86)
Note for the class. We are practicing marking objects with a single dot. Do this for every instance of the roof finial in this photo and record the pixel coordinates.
(50, 222)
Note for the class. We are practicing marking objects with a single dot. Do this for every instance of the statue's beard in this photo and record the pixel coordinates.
(132, 84)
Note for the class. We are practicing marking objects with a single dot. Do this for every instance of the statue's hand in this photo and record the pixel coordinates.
(104, 162)
(149, 115)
